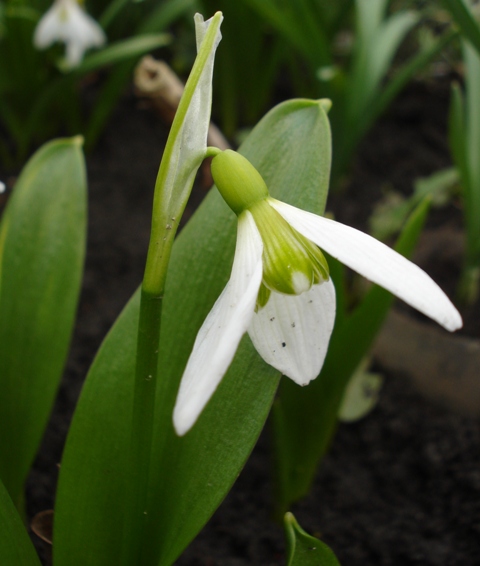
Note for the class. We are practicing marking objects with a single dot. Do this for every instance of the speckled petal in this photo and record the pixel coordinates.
(292, 332)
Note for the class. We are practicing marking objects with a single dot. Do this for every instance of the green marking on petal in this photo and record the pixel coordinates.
(263, 296)
(291, 263)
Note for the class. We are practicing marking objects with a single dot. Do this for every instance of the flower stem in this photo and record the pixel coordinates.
(146, 370)
(142, 428)
(174, 182)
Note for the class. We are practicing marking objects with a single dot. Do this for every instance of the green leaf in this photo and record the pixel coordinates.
(369, 15)
(190, 475)
(305, 550)
(297, 25)
(464, 18)
(42, 247)
(305, 418)
(16, 548)
(374, 53)
(122, 50)
(456, 130)
(164, 14)
(472, 149)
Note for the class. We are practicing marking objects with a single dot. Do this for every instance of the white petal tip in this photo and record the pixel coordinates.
(184, 417)
(453, 322)
(181, 426)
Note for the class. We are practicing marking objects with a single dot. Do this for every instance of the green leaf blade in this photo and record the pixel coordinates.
(305, 550)
(43, 235)
(305, 418)
(92, 474)
(465, 20)
(121, 51)
(16, 549)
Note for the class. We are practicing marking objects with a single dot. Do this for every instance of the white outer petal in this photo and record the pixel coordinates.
(292, 332)
(220, 334)
(375, 261)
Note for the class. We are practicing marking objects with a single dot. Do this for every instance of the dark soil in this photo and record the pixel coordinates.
(402, 486)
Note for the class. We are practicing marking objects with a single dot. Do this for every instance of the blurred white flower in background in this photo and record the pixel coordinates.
(67, 22)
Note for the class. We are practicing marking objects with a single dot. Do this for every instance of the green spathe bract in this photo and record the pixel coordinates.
(89, 499)
(42, 247)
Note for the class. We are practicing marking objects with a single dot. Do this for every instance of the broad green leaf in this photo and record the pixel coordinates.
(190, 475)
(42, 247)
(305, 418)
(122, 50)
(303, 549)
(16, 548)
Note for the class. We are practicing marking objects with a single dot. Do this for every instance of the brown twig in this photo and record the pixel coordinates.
(157, 82)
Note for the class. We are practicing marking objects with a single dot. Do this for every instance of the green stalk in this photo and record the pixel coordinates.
(172, 189)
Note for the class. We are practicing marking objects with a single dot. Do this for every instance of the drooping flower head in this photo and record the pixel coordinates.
(68, 23)
(280, 290)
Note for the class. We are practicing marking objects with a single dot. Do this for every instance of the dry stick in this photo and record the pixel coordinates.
(156, 81)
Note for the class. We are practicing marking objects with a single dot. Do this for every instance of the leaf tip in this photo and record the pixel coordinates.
(325, 104)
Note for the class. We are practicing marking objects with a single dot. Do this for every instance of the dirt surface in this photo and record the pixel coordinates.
(401, 487)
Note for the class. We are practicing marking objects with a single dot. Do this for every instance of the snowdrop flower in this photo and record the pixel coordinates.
(66, 21)
(280, 290)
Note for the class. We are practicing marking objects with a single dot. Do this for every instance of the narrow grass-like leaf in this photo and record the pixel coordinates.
(373, 57)
(464, 133)
(305, 37)
(403, 76)
(303, 549)
(472, 149)
(122, 50)
(164, 14)
(189, 475)
(16, 548)
(42, 246)
(369, 15)
(464, 18)
(305, 418)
